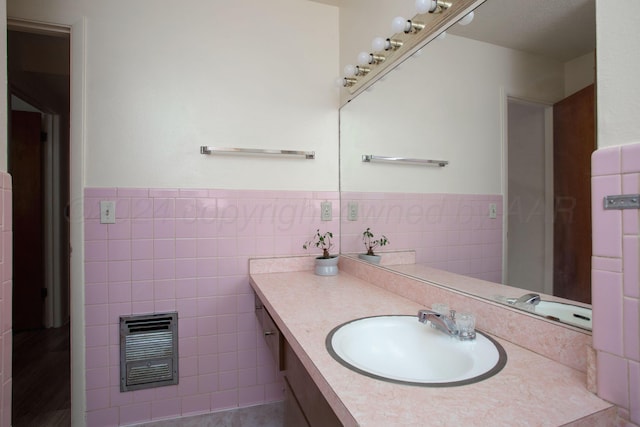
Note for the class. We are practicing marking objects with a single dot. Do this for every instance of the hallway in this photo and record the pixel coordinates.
(41, 378)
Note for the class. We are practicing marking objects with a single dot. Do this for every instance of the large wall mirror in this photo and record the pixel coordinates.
(508, 102)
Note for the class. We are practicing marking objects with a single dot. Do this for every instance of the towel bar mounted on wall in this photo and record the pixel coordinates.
(622, 201)
(426, 162)
(212, 150)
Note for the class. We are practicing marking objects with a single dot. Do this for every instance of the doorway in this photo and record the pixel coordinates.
(548, 195)
(38, 160)
(574, 134)
(529, 197)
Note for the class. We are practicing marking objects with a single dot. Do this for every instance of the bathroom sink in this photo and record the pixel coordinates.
(402, 350)
(566, 313)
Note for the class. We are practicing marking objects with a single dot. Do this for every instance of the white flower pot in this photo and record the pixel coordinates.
(327, 266)
(373, 259)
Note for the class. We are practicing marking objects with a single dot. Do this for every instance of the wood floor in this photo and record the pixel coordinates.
(41, 378)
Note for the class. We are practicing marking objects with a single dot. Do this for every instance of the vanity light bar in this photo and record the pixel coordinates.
(369, 158)
(402, 45)
(212, 150)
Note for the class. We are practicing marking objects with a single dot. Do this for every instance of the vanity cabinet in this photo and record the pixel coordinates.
(293, 414)
(272, 335)
(306, 394)
(305, 406)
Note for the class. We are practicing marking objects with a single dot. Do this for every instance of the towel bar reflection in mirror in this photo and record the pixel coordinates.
(428, 162)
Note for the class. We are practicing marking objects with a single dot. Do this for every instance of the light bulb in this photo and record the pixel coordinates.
(349, 70)
(400, 25)
(378, 44)
(345, 81)
(424, 6)
(364, 58)
(467, 19)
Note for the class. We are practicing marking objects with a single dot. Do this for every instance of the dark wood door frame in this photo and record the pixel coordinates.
(26, 167)
(574, 138)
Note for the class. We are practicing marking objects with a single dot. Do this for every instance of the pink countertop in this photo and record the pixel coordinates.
(531, 390)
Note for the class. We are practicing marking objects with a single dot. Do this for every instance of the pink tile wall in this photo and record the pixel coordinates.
(452, 232)
(616, 279)
(187, 250)
(6, 341)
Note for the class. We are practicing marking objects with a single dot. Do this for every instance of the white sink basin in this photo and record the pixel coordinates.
(566, 313)
(401, 349)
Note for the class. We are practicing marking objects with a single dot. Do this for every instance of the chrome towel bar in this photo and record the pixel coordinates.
(427, 162)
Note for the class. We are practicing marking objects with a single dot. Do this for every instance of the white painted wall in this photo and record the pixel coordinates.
(165, 77)
(527, 198)
(618, 64)
(453, 113)
(579, 73)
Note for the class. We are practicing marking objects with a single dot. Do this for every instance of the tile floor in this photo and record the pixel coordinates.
(270, 415)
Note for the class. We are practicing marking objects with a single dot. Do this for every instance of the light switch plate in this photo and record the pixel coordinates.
(325, 211)
(352, 214)
(107, 212)
(493, 212)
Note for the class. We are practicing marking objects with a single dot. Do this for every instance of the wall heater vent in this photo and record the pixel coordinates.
(148, 351)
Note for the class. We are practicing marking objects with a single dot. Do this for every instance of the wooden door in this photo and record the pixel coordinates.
(25, 166)
(574, 140)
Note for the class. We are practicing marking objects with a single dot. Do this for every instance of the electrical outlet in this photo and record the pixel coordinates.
(352, 214)
(107, 212)
(325, 211)
(493, 211)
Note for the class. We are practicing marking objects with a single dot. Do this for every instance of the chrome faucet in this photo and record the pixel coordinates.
(532, 299)
(441, 322)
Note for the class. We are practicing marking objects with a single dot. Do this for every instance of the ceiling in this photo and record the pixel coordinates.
(560, 29)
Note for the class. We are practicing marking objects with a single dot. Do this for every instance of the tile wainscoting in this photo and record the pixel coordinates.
(187, 250)
(451, 232)
(616, 280)
(6, 274)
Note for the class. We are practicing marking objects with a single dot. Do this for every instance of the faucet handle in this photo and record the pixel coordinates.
(423, 315)
(452, 314)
